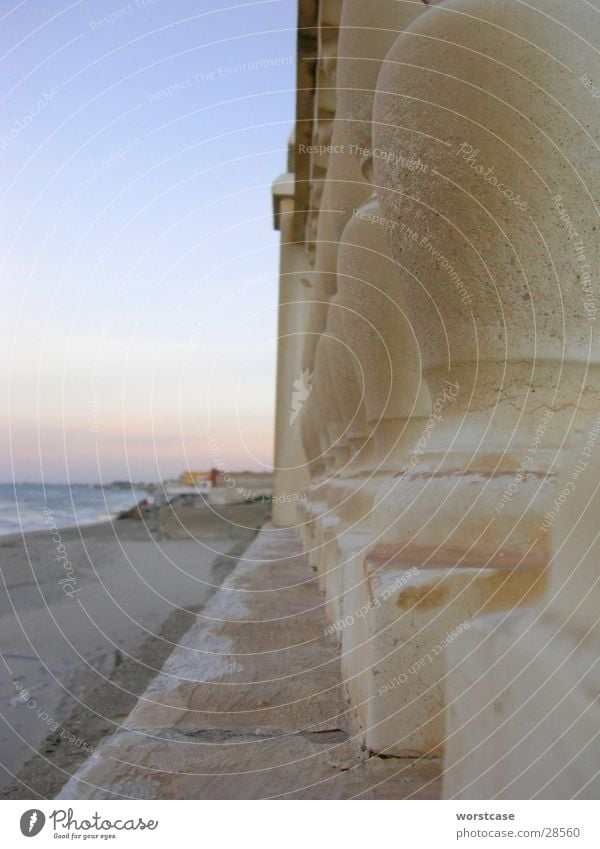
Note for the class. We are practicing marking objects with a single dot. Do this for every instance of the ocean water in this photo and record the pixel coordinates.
(22, 505)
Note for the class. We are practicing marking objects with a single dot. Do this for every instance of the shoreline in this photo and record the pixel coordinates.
(6, 535)
(29, 508)
(74, 666)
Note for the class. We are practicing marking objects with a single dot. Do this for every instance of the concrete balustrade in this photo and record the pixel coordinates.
(524, 716)
(449, 245)
(385, 353)
(497, 307)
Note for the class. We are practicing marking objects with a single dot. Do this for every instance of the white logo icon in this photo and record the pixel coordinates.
(302, 390)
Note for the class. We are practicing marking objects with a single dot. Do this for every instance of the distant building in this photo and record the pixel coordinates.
(190, 483)
(200, 481)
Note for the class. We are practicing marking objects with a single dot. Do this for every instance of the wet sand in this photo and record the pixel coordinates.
(85, 622)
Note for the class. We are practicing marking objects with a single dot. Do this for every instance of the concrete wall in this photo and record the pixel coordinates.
(438, 362)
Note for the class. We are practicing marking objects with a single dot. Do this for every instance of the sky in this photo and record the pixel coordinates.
(138, 259)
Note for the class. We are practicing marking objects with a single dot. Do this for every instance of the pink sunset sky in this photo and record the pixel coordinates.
(139, 261)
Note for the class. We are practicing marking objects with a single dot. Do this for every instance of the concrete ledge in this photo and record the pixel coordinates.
(523, 714)
(210, 522)
(400, 614)
(251, 704)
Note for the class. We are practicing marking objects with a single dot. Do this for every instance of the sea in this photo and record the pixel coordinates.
(27, 506)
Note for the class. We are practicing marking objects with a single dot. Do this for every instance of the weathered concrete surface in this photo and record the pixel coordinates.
(251, 704)
(211, 521)
(523, 688)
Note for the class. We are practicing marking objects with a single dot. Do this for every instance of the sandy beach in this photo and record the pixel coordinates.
(87, 618)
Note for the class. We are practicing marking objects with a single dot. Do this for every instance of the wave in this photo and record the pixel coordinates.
(21, 505)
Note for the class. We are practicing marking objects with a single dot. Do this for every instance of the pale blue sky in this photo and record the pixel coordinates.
(139, 264)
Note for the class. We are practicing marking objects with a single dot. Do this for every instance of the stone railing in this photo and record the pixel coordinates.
(438, 356)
